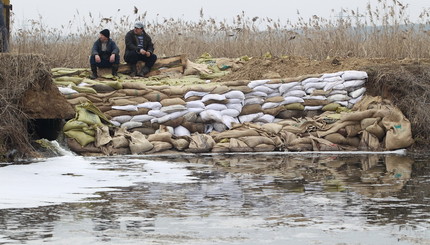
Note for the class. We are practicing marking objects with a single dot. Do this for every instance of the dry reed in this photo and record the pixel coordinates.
(383, 30)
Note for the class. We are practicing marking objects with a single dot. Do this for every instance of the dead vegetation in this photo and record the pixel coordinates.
(18, 73)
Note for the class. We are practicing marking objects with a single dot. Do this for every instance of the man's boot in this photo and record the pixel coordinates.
(144, 71)
(115, 69)
(132, 70)
(93, 72)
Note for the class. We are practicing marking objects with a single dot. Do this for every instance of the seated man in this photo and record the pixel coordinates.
(104, 54)
(139, 46)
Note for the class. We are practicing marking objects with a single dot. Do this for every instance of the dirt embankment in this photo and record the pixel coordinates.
(406, 82)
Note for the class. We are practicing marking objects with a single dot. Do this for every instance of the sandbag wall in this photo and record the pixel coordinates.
(256, 109)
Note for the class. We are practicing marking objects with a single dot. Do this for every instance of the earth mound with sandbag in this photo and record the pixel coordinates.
(199, 108)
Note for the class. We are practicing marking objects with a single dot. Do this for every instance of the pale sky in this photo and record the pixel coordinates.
(55, 12)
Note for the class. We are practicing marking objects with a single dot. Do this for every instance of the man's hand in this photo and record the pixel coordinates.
(112, 58)
(97, 57)
(142, 52)
(148, 54)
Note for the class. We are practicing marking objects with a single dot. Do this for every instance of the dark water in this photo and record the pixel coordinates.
(244, 199)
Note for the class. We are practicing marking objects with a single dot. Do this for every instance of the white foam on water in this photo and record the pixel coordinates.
(73, 178)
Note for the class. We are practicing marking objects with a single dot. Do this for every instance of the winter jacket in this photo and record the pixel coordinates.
(111, 48)
(131, 43)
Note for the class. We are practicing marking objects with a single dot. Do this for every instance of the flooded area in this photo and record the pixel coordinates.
(218, 199)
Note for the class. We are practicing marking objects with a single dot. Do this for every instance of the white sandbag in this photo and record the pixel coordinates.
(315, 97)
(194, 93)
(255, 94)
(287, 86)
(313, 108)
(181, 131)
(335, 74)
(270, 105)
(220, 127)
(274, 94)
(173, 108)
(356, 93)
(235, 94)
(213, 97)
(354, 75)
(150, 105)
(156, 113)
(336, 91)
(195, 104)
(338, 97)
(311, 80)
(331, 85)
(339, 87)
(125, 107)
(169, 117)
(141, 118)
(236, 101)
(263, 89)
(355, 100)
(256, 83)
(67, 91)
(353, 83)
(250, 117)
(130, 125)
(216, 107)
(266, 118)
(291, 100)
(122, 119)
(318, 85)
(196, 110)
(295, 93)
(333, 79)
(211, 115)
(274, 86)
(237, 107)
(228, 121)
(115, 123)
(253, 101)
(230, 112)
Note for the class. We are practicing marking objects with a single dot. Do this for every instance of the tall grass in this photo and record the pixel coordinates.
(382, 30)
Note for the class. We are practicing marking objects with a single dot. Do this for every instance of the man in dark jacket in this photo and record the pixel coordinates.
(105, 53)
(139, 46)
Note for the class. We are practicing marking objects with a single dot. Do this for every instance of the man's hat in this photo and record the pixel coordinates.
(138, 25)
(105, 33)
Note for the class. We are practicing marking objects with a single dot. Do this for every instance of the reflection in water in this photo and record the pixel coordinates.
(247, 200)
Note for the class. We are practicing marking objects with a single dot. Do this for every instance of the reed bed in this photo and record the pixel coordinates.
(382, 30)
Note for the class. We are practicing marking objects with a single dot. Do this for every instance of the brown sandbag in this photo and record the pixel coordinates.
(77, 148)
(224, 102)
(353, 130)
(175, 122)
(353, 141)
(253, 141)
(369, 142)
(175, 91)
(174, 101)
(288, 114)
(336, 126)
(144, 130)
(272, 128)
(127, 101)
(120, 142)
(77, 100)
(264, 148)
(239, 146)
(368, 121)
(399, 132)
(251, 109)
(357, 115)
(311, 102)
(180, 144)
(243, 89)
(104, 108)
(221, 148)
(303, 140)
(300, 147)
(220, 89)
(135, 85)
(102, 136)
(201, 143)
(163, 137)
(193, 98)
(194, 127)
(115, 113)
(295, 106)
(102, 88)
(235, 133)
(236, 83)
(376, 130)
(274, 111)
(276, 99)
(160, 146)
(287, 137)
(320, 144)
(139, 144)
(336, 138)
(108, 150)
(134, 92)
(155, 96)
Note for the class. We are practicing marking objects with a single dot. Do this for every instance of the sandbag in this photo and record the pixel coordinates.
(102, 136)
(251, 109)
(139, 144)
(221, 148)
(253, 141)
(399, 132)
(81, 137)
(376, 130)
(272, 128)
(160, 146)
(120, 142)
(369, 142)
(353, 130)
(201, 143)
(357, 115)
(182, 131)
(155, 96)
(150, 105)
(180, 144)
(264, 148)
(130, 125)
(163, 137)
(238, 146)
(174, 101)
(78, 148)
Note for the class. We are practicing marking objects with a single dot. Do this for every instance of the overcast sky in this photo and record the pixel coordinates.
(55, 12)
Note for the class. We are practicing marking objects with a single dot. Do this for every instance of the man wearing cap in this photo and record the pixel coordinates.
(139, 47)
(105, 53)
